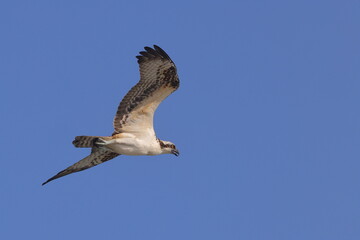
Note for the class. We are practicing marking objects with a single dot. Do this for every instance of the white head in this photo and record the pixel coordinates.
(168, 147)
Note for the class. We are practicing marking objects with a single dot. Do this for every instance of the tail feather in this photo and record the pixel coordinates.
(84, 141)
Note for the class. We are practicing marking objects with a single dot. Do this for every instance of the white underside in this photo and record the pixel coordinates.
(130, 144)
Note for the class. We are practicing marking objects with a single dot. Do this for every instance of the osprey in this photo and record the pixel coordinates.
(133, 123)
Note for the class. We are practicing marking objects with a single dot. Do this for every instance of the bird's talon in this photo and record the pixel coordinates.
(99, 142)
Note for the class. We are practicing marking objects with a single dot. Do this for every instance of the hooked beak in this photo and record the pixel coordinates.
(175, 152)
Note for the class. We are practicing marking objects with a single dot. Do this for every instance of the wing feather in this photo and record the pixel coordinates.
(158, 79)
(97, 156)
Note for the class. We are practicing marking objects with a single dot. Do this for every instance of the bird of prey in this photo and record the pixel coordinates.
(133, 123)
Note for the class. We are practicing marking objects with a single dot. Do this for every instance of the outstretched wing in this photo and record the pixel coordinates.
(97, 156)
(158, 79)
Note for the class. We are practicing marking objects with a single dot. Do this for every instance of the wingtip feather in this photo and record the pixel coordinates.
(46, 181)
(52, 178)
(150, 53)
(161, 52)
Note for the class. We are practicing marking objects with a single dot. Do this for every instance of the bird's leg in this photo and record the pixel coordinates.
(99, 142)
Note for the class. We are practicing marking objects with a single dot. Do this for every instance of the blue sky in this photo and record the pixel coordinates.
(267, 120)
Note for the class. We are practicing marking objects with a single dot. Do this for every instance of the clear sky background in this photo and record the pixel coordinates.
(267, 120)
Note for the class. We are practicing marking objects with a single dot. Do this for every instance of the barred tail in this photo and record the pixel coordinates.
(84, 141)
